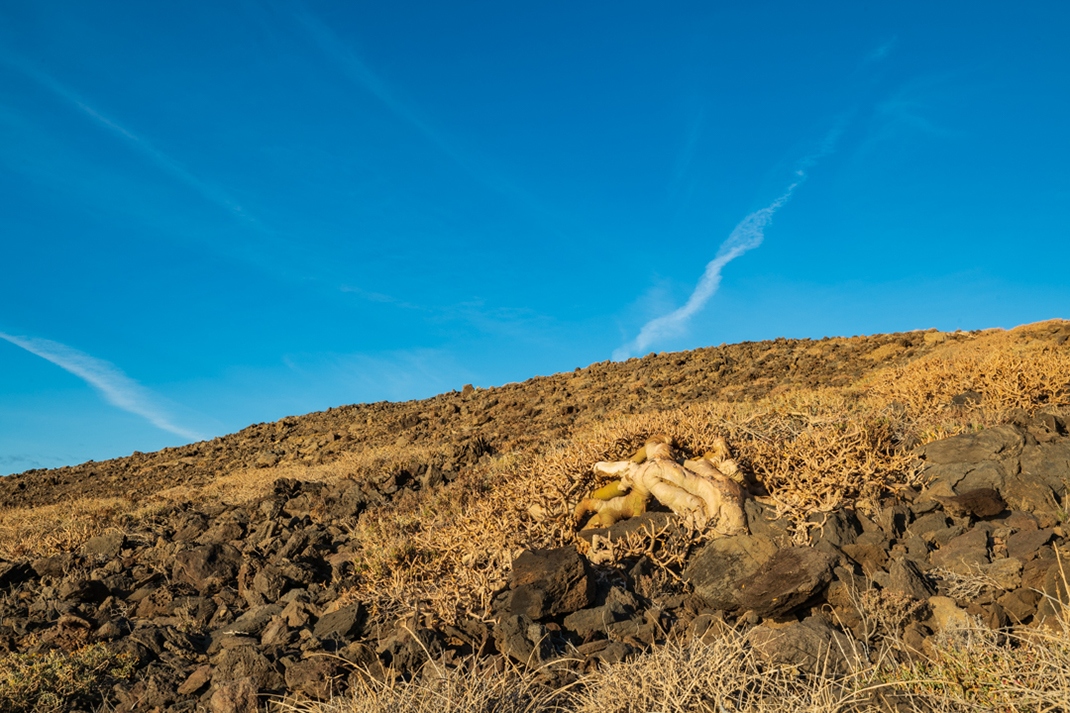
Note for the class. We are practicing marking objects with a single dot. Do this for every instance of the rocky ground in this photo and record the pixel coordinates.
(503, 419)
(219, 605)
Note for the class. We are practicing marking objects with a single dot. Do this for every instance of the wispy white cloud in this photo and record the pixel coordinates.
(161, 160)
(746, 236)
(882, 51)
(117, 388)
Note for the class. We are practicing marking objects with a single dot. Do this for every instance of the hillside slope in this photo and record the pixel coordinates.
(503, 419)
(896, 483)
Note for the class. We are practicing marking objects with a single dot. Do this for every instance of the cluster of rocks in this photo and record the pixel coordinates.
(222, 606)
(980, 544)
(217, 606)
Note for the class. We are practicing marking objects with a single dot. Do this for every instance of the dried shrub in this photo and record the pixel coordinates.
(59, 681)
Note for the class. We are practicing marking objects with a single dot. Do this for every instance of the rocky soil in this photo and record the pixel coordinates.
(222, 605)
(504, 419)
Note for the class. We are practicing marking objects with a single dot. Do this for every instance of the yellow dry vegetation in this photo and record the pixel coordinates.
(445, 551)
(966, 670)
(60, 680)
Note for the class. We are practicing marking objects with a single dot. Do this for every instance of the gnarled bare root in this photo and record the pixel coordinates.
(704, 491)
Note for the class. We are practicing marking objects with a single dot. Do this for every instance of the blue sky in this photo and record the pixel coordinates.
(216, 214)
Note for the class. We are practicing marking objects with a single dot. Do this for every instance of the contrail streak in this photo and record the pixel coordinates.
(746, 236)
(117, 388)
(164, 162)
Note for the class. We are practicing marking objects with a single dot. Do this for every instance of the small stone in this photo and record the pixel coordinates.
(106, 546)
(196, 681)
(1019, 605)
(345, 624)
(1006, 573)
(107, 631)
(234, 697)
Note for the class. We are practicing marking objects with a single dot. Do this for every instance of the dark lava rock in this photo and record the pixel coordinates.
(619, 606)
(522, 639)
(963, 553)
(409, 647)
(319, 677)
(979, 503)
(547, 583)
(715, 571)
(234, 697)
(246, 662)
(811, 645)
(13, 573)
(207, 568)
(344, 624)
(791, 578)
(1023, 545)
(905, 577)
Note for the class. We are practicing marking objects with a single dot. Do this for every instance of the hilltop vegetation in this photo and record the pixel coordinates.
(410, 518)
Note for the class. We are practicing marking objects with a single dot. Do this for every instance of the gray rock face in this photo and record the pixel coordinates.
(206, 568)
(717, 569)
(345, 623)
(619, 606)
(522, 639)
(963, 553)
(811, 645)
(547, 583)
(905, 577)
(1026, 463)
(788, 580)
(975, 447)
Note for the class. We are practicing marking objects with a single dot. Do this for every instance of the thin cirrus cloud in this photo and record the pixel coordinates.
(357, 71)
(161, 160)
(117, 388)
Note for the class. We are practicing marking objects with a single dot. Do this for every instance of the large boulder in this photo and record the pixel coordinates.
(811, 645)
(1026, 463)
(545, 583)
(789, 579)
(716, 570)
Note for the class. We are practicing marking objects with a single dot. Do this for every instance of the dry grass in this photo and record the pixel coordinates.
(473, 689)
(446, 551)
(966, 670)
(814, 451)
(59, 681)
(50, 529)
